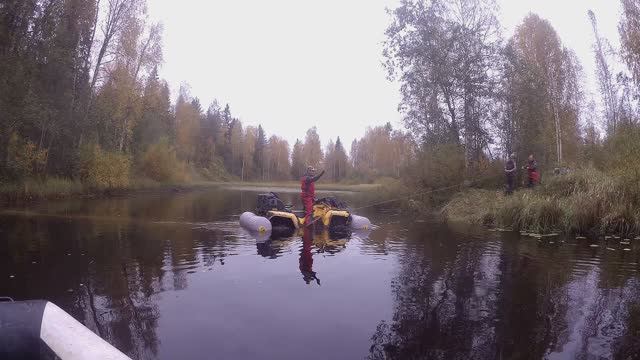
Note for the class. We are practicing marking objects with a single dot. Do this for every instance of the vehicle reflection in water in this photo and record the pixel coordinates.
(315, 239)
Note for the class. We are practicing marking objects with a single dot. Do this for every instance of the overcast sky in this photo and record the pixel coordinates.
(293, 64)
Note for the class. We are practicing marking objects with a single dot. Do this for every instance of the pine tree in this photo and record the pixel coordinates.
(341, 161)
(330, 160)
(248, 153)
(259, 154)
(155, 121)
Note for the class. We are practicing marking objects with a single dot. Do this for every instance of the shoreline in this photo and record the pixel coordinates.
(331, 187)
(62, 189)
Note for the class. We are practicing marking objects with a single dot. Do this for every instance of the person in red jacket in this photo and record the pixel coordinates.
(308, 187)
(532, 172)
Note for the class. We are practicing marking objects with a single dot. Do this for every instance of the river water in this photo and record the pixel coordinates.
(171, 276)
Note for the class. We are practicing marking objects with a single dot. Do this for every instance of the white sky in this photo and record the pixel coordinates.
(293, 64)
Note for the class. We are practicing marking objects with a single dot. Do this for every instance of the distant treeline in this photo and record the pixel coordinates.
(470, 97)
(80, 97)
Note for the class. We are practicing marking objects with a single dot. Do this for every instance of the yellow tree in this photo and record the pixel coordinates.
(187, 126)
(312, 148)
(282, 161)
(381, 152)
(277, 158)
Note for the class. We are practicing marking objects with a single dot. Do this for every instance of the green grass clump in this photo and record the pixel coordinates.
(585, 201)
(509, 214)
(540, 213)
(476, 206)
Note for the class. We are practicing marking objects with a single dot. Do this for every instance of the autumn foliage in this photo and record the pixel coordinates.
(160, 163)
(25, 158)
(103, 169)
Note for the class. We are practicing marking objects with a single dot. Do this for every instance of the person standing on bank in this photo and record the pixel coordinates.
(532, 172)
(308, 187)
(510, 173)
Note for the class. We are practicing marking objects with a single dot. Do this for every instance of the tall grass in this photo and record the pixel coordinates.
(61, 188)
(41, 189)
(585, 201)
(476, 206)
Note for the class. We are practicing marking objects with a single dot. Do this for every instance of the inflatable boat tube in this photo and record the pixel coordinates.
(252, 222)
(259, 237)
(360, 223)
(362, 234)
(37, 329)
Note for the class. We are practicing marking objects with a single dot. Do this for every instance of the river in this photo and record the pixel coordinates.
(171, 276)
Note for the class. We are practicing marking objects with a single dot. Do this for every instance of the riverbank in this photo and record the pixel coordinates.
(294, 185)
(62, 188)
(586, 202)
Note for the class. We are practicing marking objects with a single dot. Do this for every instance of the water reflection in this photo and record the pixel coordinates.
(306, 257)
(107, 262)
(173, 276)
(313, 240)
(474, 298)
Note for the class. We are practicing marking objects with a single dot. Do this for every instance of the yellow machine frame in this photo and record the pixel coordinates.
(320, 211)
(287, 215)
(325, 213)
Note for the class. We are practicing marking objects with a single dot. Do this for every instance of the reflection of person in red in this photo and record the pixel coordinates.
(308, 187)
(306, 257)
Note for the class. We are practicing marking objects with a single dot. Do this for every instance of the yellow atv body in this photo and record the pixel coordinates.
(284, 218)
(321, 213)
(330, 216)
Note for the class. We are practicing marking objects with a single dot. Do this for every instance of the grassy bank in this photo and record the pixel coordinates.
(586, 202)
(39, 189)
(61, 188)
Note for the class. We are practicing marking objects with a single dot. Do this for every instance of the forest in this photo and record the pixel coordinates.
(81, 100)
(470, 97)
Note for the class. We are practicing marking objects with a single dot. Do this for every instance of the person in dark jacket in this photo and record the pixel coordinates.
(532, 171)
(510, 173)
(308, 187)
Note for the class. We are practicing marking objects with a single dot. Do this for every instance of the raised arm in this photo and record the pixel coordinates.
(317, 177)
